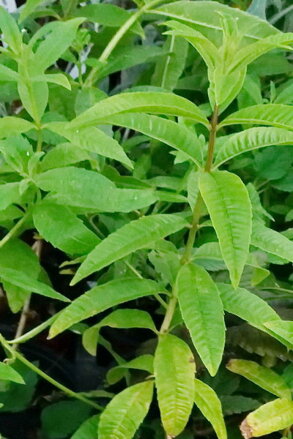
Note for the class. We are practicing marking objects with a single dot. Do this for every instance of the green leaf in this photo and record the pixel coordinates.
(228, 204)
(33, 94)
(277, 115)
(261, 376)
(59, 37)
(283, 329)
(63, 154)
(12, 126)
(273, 416)
(207, 18)
(28, 8)
(169, 69)
(166, 131)
(271, 241)
(12, 35)
(63, 229)
(133, 236)
(124, 414)
(24, 281)
(147, 102)
(87, 429)
(7, 373)
(77, 187)
(174, 374)
(246, 305)
(234, 404)
(7, 74)
(55, 78)
(91, 139)
(9, 194)
(143, 362)
(251, 139)
(121, 318)
(209, 404)
(202, 312)
(101, 298)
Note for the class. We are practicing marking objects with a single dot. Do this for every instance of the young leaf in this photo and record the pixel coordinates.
(144, 362)
(12, 126)
(209, 404)
(271, 241)
(7, 373)
(261, 376)
(273, 416)
(246, 305)
(251, 139)
(121, 318)
(283, 329)
(166, 131)
(202, 312)
(143, 102)
(129, 238)
(101, 298)
(228, 203)
(277, 115)
(12, 35)
(174, 374)
(124, 414)
(9, 194)
(61, 227)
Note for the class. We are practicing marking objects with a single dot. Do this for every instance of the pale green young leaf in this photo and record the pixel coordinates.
(274, 416)
(143, 362)
(10, 30)
(91, 139)
(146, 102)
(121, 318)
(169, 69)
(33, 94)
(277, 115)
(166, 131)
(101, 298)
(283, 329)
(28, 8)
(12, 126)
(203, 314)
(55, 78)
(251, 139)
(229, 206)
(133, 236)
(77, 187)
(124, 414)
(7, 74)
(24, 281)
(207, 401)
(63, 229)
(7, 373)
(225, 87)
(207, 18)
(271, 241)
(261, 376)
(59, 37)
(174, 368)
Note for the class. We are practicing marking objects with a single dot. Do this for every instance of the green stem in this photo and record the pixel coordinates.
(212, 139)
(35, 331)
(116, 38)
(70, 393)
(40, 140)
(14, 230)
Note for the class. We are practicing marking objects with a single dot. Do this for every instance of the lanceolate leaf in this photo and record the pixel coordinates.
(7, 373)
(202, 312)
(271, 241)
(10, 30)
(228, 203)
(12, 126)
(62, 228)
(209, 404)
(283, 329)
(164, 130)
(174, 374)
(261, 376)
(147, 102)
(144, 362)
(124, 414)
(277, 115)
(129, 238)
(251, 139)
(273, 416)
(121, 318)
(101, 298)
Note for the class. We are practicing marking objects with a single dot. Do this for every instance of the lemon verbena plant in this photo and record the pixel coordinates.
(132, 149)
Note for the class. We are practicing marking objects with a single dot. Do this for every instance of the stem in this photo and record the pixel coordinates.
(42, 374)
(14, 229)
(116, 38)
(35, 331)
(22, 321)
(40, 140)
(212, 138)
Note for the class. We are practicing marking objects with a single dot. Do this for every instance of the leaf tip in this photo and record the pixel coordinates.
(246, 430)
